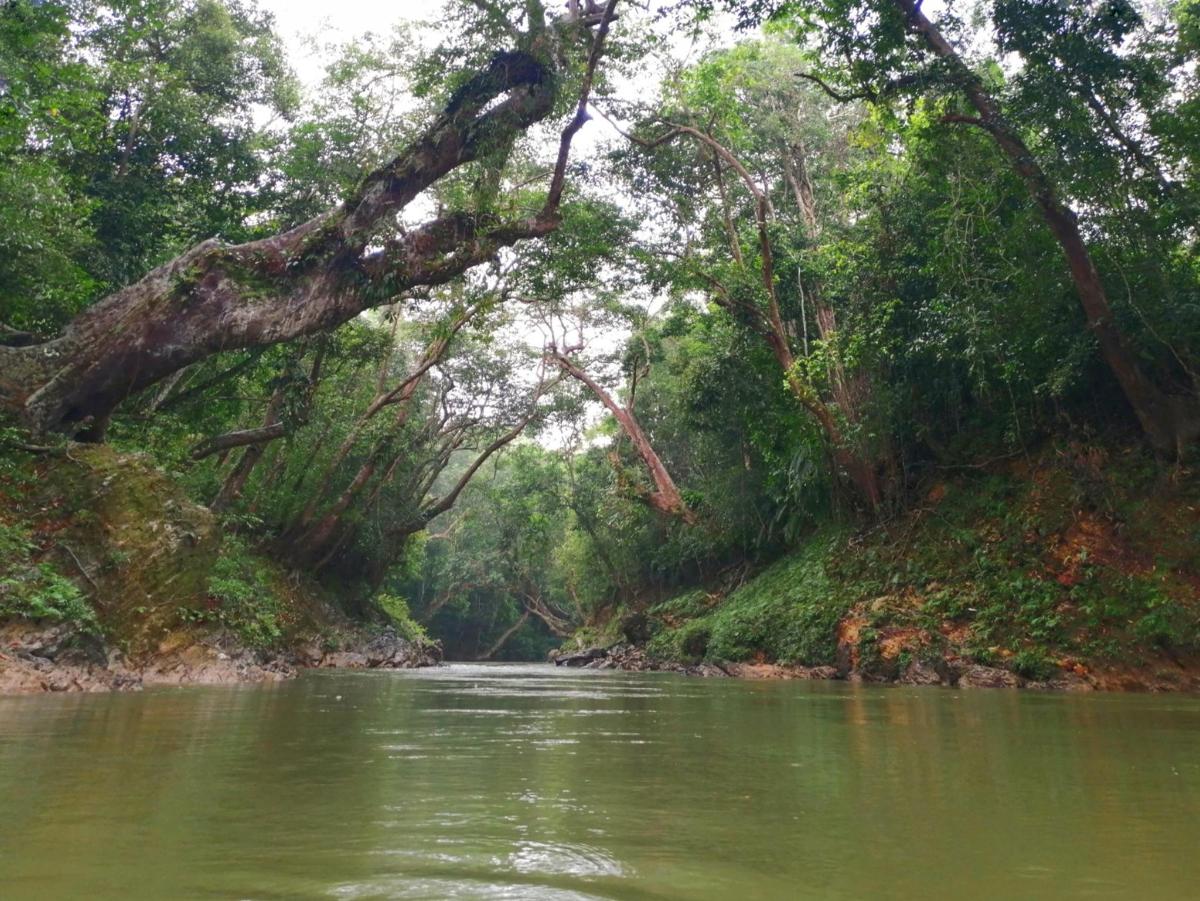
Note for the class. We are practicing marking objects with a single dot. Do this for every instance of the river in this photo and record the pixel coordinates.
(523, 782)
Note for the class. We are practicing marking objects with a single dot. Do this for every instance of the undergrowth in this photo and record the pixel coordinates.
(1077, 556)
(242, 597)
(788, 613)
(398, 614)
(35, 590)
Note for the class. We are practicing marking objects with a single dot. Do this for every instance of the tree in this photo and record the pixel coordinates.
(891, 47)
(319, 274)
(768, 165)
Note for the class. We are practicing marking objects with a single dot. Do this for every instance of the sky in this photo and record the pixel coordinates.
(297, 19)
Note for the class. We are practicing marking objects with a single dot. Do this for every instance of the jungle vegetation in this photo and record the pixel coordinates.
(554, 312)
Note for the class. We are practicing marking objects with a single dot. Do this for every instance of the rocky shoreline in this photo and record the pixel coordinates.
(37, 659)
(952, 672)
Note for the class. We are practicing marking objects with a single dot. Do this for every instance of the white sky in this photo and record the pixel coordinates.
(297, 19)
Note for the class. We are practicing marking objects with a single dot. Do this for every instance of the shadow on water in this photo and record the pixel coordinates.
(522, 781)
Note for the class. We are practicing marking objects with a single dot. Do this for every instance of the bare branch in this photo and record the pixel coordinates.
(839, 96)
(230, 440)
(558, 180)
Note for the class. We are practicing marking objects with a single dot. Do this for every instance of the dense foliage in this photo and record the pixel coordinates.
(804, 276)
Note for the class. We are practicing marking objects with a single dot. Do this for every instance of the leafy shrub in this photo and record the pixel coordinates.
(1033, 664)
(396, 609)
(244, 600)
(788, 613)
(37, 591)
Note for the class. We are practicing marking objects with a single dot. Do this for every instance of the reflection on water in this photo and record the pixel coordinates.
(498, 782)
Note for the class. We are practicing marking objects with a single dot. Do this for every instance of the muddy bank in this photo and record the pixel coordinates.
(37, 658)
(948, 672)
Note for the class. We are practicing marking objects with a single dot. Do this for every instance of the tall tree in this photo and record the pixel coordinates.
(891, 48)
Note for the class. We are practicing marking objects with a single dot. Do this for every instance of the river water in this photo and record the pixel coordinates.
(525, 782)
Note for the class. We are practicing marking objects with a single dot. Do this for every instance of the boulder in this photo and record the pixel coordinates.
(920, 673)
(977, 676)
(581, 658)
(344, 660)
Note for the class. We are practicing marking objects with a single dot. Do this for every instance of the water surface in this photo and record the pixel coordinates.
(526, 782)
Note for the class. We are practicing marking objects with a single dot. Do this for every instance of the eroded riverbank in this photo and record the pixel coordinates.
(949, 671)
(56, 658)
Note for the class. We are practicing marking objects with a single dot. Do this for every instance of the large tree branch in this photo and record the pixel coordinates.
(217, 297)
(230, 440)
(558, 180)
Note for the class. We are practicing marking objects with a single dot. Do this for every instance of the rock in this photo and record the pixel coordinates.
(920, 673)
(389, 650)
(46, 642)
(635, 627)
(582, 658)
(707, 670)
(977, 676)
(345, 660)
(819, 672)
(1064, 682)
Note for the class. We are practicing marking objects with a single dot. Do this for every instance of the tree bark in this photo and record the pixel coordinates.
(665, 498)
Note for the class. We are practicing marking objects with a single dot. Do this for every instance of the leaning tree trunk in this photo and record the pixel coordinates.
(666, 497)
(1169, 422)
(217, 297)
(503, 639)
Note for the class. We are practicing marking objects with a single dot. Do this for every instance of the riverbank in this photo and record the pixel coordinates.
(112, 579)
(37, 658)
(950, 673)
(1075, 569)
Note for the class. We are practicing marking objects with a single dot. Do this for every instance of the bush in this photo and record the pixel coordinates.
(244, 600)
(37, 591)
(788, 613)
(1033, 664)
(396, 610)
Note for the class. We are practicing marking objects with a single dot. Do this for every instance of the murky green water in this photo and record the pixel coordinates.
(526, 782)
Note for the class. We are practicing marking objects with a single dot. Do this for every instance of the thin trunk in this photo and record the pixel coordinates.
(400, 395)
(735, 245)
(235, 482)
(665, 497)
(769, 324)
(503, 639)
